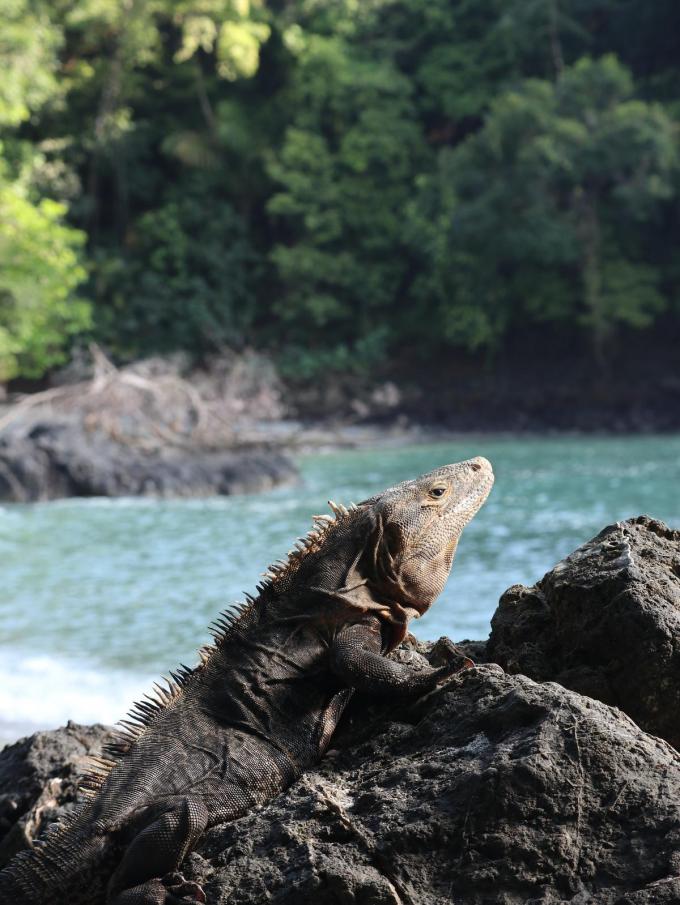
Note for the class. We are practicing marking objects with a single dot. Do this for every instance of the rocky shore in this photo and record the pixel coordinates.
(144, 430)
(165, 426)
(541, 784)
(47, 460)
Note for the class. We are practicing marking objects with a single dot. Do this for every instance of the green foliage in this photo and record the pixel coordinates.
(187, 280)
(40, 256)
(29, 43)
(233, 30)
(541, 214)
(344, 174)
(337, 182)
(39, 271)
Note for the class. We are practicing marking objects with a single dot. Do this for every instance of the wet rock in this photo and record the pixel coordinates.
(51, 459)
(604, 622)
(493, 789)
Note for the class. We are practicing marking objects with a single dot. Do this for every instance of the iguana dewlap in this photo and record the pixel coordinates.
(262, 705)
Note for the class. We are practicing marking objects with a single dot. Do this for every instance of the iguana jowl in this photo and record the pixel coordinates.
(263, 703)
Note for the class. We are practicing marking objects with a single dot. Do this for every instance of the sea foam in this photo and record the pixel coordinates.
(42, 692)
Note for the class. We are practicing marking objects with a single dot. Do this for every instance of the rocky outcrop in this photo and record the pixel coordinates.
(39, 779)
(604, 622)
(45, 460)
(493, 789)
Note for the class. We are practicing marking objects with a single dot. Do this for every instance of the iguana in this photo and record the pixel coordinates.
(265, 699)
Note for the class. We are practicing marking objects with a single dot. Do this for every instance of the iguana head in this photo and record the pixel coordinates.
(392, 553)
(418, 525)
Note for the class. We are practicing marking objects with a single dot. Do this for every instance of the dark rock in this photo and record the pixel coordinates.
(493, 789)
(53, 459)
(38, 781)
(604, 622)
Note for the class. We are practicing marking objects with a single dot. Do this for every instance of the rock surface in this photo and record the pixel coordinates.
(39, 779)
(604, 622)
(53, 459)
(494, 789)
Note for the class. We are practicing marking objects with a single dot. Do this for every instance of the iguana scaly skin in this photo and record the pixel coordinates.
(263, 703)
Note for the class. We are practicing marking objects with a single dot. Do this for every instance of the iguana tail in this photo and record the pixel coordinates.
(64, 869)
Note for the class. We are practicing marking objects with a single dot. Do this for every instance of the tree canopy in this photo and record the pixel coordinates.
(333, 182)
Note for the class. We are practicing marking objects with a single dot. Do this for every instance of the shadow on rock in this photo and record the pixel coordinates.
(492, 790)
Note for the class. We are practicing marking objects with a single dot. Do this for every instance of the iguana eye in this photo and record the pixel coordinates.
(437, 491)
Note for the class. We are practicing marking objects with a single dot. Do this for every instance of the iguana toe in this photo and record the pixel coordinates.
(182, 890)
(446, 652)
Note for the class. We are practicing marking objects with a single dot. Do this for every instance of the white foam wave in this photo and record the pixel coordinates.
(42, 692)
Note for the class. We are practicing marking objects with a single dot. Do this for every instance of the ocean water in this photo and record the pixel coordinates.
(99, 597)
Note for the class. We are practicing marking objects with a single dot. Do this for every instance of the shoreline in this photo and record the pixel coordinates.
(345, 432)
(46, 456)
(310, 438)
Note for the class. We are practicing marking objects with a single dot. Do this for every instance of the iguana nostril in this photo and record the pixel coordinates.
(475, 466)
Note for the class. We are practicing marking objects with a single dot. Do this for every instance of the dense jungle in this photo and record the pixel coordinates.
(452, 193)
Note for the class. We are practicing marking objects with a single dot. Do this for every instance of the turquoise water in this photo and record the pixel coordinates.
(99, 597)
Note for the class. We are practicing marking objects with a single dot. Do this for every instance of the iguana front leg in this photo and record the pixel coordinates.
(356, 658)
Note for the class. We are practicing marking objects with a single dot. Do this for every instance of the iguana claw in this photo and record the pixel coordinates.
(182, 889)
(446, 652)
